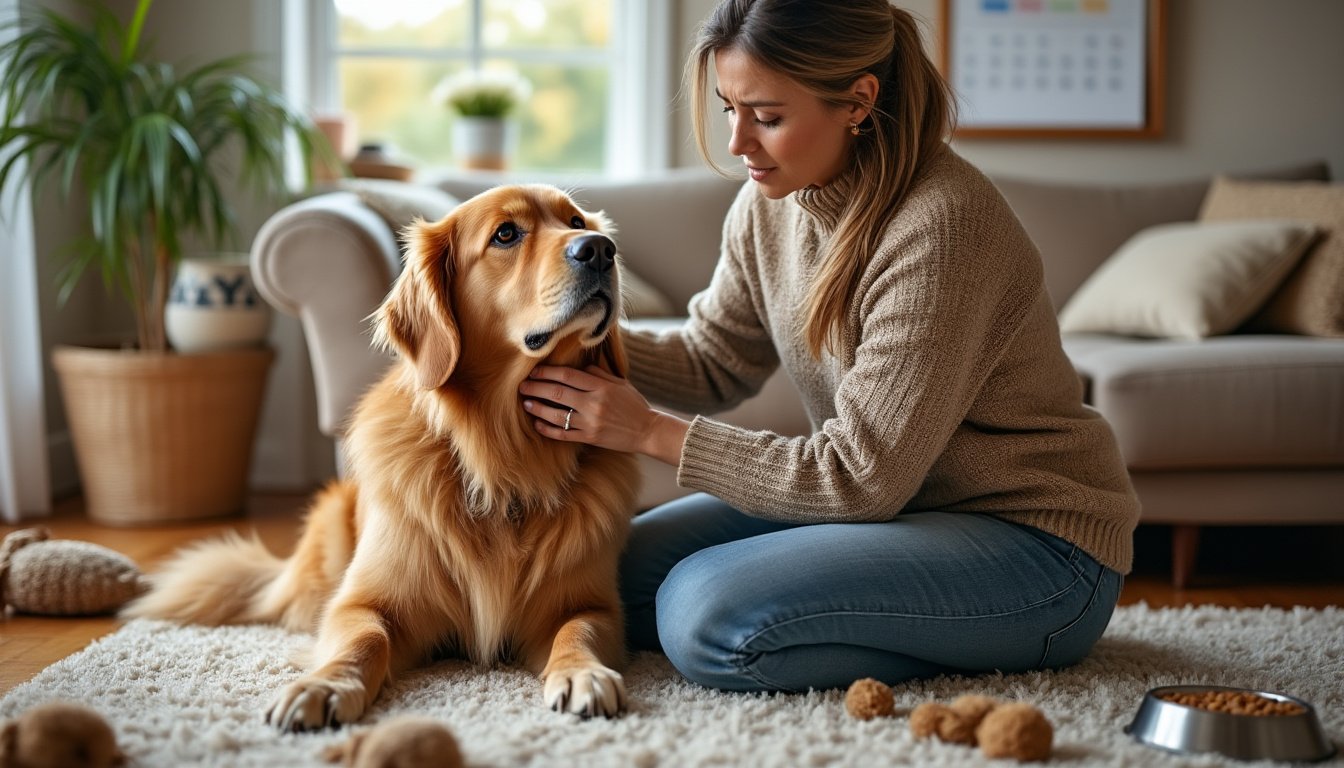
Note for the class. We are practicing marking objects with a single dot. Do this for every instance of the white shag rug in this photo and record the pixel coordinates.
(180, 696)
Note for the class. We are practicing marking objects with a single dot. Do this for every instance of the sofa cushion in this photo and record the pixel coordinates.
(1187, 280)
(1229, 401)
(1311, 301)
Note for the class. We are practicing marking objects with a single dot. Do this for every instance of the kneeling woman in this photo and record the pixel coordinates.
(957, 509)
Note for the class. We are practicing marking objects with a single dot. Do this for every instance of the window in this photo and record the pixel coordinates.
(597, 70)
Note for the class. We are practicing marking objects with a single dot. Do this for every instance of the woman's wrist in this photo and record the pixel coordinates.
(665, 437)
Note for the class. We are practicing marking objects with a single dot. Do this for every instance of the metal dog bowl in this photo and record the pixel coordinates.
(1188, 729)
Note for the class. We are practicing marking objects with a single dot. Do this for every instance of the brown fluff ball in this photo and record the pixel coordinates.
(926, 718)
(868, 698)
(1018, 730)
(402, 742)
(59, 735)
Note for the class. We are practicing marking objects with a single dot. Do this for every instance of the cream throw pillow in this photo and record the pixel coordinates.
(1187, 280)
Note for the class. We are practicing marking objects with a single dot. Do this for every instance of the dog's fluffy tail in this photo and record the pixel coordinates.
(233, 580)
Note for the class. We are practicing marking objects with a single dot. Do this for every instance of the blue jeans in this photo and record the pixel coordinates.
(749, 605)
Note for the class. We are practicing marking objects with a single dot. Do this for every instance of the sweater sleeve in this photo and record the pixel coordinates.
(722, 354)
(938, 306)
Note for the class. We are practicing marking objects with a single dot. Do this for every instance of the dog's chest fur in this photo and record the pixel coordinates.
(491, 534)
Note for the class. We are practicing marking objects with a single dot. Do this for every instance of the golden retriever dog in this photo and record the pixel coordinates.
(459, 529)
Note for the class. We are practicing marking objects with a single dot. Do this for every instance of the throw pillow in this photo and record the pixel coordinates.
(399, 203)
(1187, 280)
(1311, 300)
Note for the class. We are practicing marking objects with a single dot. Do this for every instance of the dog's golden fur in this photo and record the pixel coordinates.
(459, 528)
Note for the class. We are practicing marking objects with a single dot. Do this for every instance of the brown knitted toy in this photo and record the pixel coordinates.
(402, 742)
(58, 735)
(63, 578)
(869, 698)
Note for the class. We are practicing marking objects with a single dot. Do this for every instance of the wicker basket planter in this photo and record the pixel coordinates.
(162, 437)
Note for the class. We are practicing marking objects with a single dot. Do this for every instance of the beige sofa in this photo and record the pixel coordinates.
(1235, 429)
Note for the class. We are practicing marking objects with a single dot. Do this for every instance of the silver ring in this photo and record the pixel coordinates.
(568, 416)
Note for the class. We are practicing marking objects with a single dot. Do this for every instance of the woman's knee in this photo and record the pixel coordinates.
(700, 628)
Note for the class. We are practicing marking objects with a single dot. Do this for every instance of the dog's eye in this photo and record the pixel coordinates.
(506, 234)
(578, 223)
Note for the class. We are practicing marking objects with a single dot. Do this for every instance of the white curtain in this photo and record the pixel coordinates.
(25, 477)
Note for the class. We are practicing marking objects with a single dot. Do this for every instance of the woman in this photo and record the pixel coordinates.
(957, 508)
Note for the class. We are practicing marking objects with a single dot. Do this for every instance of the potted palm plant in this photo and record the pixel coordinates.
(147, 151)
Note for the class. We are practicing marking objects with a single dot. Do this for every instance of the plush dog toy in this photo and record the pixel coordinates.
(402, 742)
(59, 734)
(63, 578)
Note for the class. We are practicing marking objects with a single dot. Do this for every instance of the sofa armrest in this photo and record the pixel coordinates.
(329, 260)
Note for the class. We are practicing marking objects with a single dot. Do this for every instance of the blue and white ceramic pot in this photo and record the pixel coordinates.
(213, 305)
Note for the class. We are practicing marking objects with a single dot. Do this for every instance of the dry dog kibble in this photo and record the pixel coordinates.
(1234, 703)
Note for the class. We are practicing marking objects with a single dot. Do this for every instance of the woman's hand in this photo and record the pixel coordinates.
(597, 408)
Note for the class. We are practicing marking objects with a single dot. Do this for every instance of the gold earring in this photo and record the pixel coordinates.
(854, 129)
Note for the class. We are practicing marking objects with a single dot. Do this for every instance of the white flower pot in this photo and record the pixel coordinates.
(213, 305)
(483, 143)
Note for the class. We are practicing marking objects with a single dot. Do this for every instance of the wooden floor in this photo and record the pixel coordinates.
(1238, 567)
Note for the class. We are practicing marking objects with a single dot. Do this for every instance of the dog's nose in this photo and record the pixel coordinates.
(592, 251)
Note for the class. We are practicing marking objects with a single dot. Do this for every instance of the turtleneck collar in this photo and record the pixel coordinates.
(827, 204)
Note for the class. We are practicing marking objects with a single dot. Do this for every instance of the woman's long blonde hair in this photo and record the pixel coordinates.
(825, 45)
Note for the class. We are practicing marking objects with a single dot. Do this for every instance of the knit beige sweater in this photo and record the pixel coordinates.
(950, 390)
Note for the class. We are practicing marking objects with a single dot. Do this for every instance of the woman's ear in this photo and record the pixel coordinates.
(863, 95)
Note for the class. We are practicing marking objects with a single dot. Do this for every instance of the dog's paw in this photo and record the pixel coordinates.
(585, 691)
(312, 703)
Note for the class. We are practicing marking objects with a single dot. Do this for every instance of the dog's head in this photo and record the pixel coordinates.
(512, 277)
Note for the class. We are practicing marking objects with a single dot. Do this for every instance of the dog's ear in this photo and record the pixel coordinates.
(416, 319)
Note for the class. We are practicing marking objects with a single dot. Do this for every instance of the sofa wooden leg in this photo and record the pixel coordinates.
(1184, 551)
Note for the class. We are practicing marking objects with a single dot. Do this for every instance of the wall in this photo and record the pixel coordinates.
(1250, 84)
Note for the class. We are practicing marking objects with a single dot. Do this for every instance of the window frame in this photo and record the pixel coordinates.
(25, 469)
(639, 105)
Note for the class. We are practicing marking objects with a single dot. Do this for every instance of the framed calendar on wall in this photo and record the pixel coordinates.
(1056, 68)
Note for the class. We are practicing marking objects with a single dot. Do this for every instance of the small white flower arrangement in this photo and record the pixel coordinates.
(483, 93)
